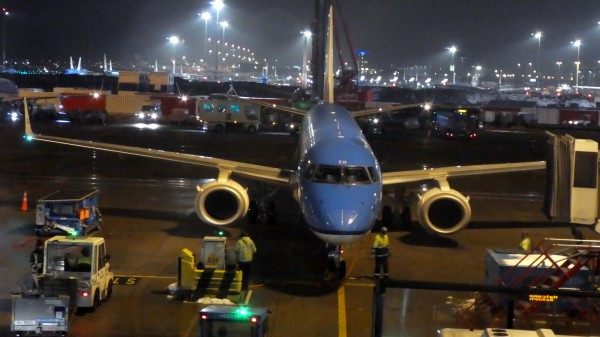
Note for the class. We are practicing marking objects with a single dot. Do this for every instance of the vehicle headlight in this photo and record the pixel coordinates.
(140, 115)
(154, 115)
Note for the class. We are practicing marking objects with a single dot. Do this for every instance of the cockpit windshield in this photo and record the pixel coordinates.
(328, 174)
(356, 175)
(348, 175)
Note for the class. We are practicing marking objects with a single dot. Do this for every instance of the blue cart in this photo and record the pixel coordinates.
(70, 212)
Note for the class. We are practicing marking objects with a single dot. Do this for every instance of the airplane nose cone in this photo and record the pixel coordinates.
(341, 218)
(347, 220)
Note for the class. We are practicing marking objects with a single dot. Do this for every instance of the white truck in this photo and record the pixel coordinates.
(76, 275)
(84, 258)
(149, 112)
(222, 114)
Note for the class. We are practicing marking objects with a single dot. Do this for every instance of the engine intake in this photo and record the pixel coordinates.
(443, 211)
(221, 203)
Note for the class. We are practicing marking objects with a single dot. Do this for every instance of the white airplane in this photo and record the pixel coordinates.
(338, 182)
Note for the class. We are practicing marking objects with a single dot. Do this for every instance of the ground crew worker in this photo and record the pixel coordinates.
(245, 249)
(381, 250)
(36, 261)
(84, 262)
(525, 244)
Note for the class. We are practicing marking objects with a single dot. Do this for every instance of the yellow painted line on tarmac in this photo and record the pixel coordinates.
(342, 312)
(368, 285)
(148, 276)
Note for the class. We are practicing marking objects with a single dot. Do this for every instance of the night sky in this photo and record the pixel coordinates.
(492, 33)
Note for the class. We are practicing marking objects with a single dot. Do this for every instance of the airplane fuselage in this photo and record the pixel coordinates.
(339, 178)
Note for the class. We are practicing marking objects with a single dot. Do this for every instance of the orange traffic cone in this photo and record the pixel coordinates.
(24, 204)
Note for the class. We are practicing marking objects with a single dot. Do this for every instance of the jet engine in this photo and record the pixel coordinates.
(443, 210)
(221, 202)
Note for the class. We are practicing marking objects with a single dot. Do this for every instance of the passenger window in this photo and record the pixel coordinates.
(251, 112)
(101, 253)
(208, 107)
(356, 175)
(235, 108)
(222, 108)
(328, 174)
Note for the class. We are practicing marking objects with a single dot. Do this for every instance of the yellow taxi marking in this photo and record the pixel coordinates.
(369, 285)
(148, 276)
(131, 280)
(342, 312)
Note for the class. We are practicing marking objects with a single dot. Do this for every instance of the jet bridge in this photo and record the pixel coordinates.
(572, 180)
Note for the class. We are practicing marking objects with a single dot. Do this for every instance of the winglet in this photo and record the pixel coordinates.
(328, 92)
(28, 131)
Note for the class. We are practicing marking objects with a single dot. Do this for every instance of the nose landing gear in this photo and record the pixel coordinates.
(336, 266)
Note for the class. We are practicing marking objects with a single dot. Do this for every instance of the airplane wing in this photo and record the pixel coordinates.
(400, 177)
(225, 167)
(372, 111)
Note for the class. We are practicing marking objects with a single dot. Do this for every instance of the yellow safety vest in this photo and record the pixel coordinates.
(381, 245)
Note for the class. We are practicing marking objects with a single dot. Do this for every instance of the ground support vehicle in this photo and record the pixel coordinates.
(176, 109)
(65, 258)
(215, 275)
(69, 282)
(44, 311)
(455, 123)
(554, 264)
(224, 115)
(67, 211)
(220, 320)
(150, 112)
(84, 108)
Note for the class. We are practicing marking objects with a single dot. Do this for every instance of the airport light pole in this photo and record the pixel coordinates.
(307, 34)
(4, 15)
(538, 36)
(223, 24)
(205, 16)
(218, 5)
(174, 41)
(577, 43)
(558, 63)
(453, 50)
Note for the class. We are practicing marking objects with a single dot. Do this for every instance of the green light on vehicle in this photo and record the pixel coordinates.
(242, 312)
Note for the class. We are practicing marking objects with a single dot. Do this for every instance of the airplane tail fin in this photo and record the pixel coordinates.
(79, 64)
(71, 61)
(329, 84)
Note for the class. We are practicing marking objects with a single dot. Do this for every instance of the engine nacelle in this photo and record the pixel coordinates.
(221, 203)
(443, 211)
